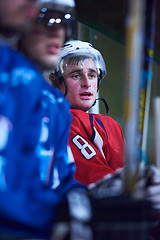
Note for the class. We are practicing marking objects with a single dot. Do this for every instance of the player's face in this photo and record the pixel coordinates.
(17, 15)
(44, 44)
(81, 80)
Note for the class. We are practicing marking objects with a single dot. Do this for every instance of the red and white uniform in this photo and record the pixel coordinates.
(98, 145)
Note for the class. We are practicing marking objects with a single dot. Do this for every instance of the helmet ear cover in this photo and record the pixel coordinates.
(57, 80)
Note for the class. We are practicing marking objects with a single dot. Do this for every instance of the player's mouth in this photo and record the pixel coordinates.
(86, 96)
(53, 48)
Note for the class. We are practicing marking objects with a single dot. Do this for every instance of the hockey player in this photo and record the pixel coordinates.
(42, 46)
(29, 131)
(97, 141)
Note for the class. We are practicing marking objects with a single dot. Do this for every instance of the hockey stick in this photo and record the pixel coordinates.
(146, 80)
(134, 47)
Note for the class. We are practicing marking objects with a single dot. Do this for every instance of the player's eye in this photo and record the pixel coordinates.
(92, 75)
(75, 76)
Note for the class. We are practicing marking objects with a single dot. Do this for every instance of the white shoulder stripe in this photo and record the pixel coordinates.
(98, 142)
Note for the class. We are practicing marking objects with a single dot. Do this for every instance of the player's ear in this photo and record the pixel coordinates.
(58, 82)
(52, 78)
(55, 79)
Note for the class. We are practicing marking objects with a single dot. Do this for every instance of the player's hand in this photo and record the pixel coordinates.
(148, 186)
(110, 185)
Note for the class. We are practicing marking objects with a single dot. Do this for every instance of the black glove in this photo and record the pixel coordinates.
(110, 185)
(148, 186)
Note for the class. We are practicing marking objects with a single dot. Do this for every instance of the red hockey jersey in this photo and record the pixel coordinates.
(98, 145)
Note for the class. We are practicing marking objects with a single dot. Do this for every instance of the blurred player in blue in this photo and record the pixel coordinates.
(34, 127)
(55, 24)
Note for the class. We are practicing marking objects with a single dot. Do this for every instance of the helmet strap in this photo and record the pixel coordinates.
(105, 104)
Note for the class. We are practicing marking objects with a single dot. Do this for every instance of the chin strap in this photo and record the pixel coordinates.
(105, 103)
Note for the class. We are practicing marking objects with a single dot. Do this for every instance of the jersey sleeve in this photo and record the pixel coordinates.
(116, 144)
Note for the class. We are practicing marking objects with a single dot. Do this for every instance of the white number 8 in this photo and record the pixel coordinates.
(82, 145)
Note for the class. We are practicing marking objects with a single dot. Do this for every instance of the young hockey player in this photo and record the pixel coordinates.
(42, 46)
(96, 140)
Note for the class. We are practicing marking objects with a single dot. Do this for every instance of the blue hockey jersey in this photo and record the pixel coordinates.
(35, 170)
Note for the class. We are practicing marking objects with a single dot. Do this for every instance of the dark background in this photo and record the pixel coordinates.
(109, 16)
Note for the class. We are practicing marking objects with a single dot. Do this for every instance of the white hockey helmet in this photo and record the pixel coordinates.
(77, 47)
